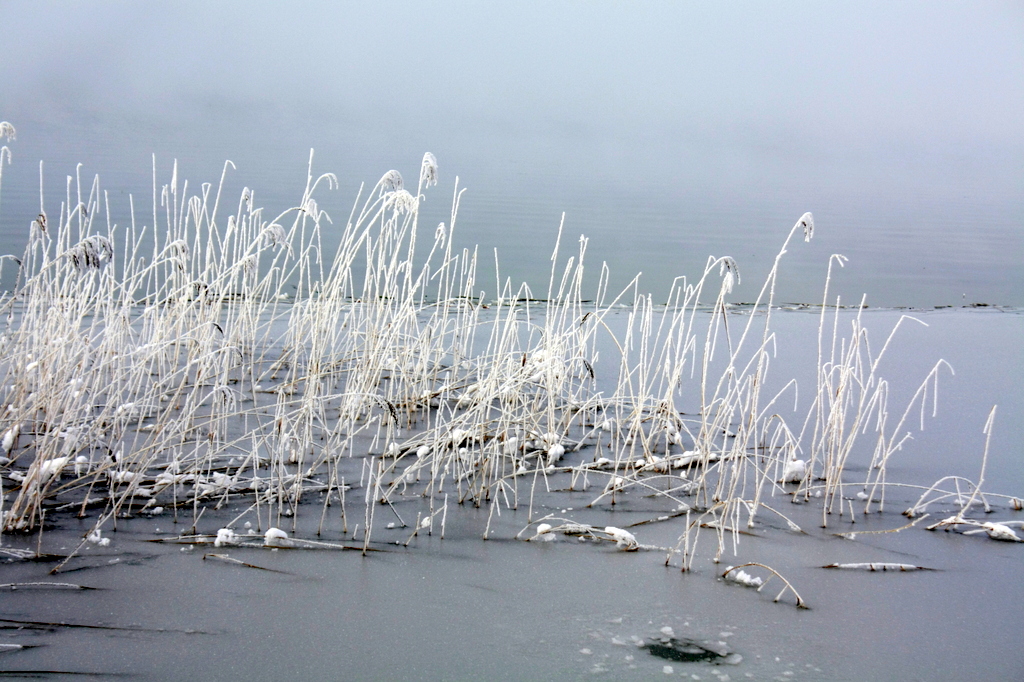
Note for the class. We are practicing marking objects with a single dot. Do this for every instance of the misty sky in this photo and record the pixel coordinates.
(812, 102)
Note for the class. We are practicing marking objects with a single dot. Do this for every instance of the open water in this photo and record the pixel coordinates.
(665, 134)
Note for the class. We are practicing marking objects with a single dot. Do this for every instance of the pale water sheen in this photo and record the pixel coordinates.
(664, 132)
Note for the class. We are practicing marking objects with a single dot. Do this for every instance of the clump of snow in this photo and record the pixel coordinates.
(794, 472)
(624, 540)
(95, 536)
(999, 531)
(544, 533)
(555, 452)
(122, 476)
(225, 537)
(10, 436)
(741, 577)
(459, 436)
(275, 537)
(52, 467)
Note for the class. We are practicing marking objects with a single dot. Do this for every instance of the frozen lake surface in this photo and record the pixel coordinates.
(463, 607)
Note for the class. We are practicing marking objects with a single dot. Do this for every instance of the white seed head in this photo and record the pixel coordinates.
(730, 273)
(92, 253)
(404, 202)
(390, 182)
(274, 235)
(807, 222)
(428, 170)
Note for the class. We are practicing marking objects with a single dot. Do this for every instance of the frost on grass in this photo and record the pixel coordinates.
(624, 540)
(222, 355)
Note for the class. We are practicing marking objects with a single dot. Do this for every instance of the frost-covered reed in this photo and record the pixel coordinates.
(209, 352)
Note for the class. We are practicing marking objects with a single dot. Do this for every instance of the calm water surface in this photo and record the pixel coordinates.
(665, 134)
